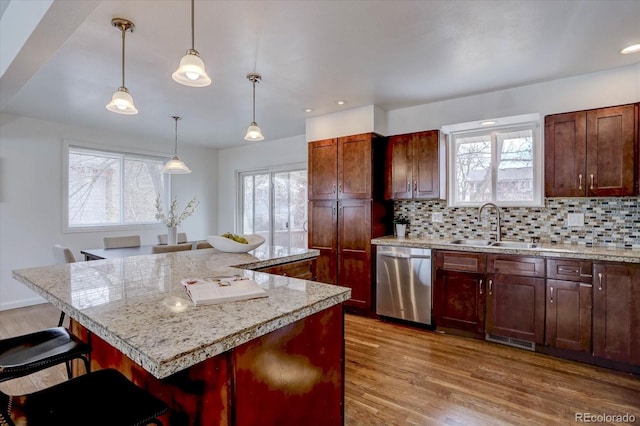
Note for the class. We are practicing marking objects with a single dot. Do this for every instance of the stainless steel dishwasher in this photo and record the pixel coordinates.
(403, 283)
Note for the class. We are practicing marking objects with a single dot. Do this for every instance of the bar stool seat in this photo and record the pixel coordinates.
(101, 398)
(28, 353)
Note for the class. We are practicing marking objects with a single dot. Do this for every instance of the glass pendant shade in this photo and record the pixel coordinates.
(253, 133)
(191, 71)
(122, 102)
(176, 166)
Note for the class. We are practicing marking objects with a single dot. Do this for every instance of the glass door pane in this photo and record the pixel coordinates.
(290, 208)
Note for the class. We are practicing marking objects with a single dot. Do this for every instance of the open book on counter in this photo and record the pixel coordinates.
(210, 291)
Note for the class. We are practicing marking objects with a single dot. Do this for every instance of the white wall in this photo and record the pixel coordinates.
(31, 204)
(251, 156)
(614, 87)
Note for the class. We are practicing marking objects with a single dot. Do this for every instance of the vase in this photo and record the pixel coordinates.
(172, 235)
(401, 230)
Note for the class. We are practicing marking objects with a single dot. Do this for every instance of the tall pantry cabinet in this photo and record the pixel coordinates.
(346, 210)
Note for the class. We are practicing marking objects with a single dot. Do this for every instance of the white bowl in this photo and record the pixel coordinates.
(230, 246)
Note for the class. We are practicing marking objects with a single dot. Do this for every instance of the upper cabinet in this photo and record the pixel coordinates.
(592, 153)
(341, 168)
(413, 166)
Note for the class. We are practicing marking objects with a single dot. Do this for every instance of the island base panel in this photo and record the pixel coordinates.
(293, 375)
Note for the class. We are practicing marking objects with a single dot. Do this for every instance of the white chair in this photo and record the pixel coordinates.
(120, 242)
(182, 238)
(62, 255)
(166, 248)
(203, 245)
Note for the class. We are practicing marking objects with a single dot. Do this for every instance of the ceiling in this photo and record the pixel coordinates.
(310, 53)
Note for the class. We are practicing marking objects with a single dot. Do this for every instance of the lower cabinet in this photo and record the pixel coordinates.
(459, 291)
(459, 301)
(516, 297)
(577, 309)
(616, 312)
(568, 303)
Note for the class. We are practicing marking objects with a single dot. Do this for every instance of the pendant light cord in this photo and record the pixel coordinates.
(175, 147)
(193, 43)
(254, 100)
(124, 30)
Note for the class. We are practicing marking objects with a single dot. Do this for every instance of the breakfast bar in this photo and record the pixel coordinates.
(274, 360)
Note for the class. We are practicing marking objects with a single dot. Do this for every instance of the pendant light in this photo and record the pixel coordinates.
(191, 71)
(121, 101)
(175, 165)
(253, 132)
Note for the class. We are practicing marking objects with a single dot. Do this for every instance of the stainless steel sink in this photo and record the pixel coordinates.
(465, 242)
(514, 244)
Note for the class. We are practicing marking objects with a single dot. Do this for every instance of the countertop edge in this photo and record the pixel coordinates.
(544, 250)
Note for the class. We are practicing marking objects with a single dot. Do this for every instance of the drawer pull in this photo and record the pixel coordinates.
(568, 270)
(600, 280)
(551, 296)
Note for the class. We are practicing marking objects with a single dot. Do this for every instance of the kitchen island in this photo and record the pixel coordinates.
(276, 360)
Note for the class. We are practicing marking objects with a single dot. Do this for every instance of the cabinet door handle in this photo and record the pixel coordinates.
(334, 211)
(408, 186)
(600, 281)
(480, 286)
(591, 182)
(551, 297)
(490, 287)
(333, 188)
(580, 181)
(415, 186)
(340, 188)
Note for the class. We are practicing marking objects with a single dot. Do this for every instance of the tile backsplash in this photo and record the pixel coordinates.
(611, 222)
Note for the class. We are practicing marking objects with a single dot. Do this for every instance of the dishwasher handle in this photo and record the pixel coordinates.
(405, 256)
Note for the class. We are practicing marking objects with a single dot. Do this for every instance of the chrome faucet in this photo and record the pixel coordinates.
(498, 232)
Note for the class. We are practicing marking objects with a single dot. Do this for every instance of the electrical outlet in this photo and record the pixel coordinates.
(436, 217)
(575, 219)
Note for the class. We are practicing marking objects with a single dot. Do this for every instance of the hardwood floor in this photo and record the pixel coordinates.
(399, 375)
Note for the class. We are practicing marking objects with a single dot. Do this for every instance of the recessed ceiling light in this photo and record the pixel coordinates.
(308, 109)
(634, 48)
(340, 102)
(487, 123)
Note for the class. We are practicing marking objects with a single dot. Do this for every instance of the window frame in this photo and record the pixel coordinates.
(117, 150)
(516, 123)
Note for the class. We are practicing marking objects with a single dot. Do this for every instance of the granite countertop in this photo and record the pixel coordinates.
(138, 305)
(573, 251)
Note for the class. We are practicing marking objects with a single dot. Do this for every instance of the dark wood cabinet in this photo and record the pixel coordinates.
(323, 236)
(341, 168)
(354, 250)
(516, 297)
(459, 291)
(303, 269)
(412, 167)
(616, 312)
(568, 304)
(592, 153)
(346, 211)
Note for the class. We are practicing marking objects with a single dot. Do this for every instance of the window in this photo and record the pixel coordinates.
(500, 164)
(273, 204)
(109, 188)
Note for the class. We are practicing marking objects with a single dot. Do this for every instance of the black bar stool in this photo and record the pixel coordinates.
(101, 398)
(28, 353)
